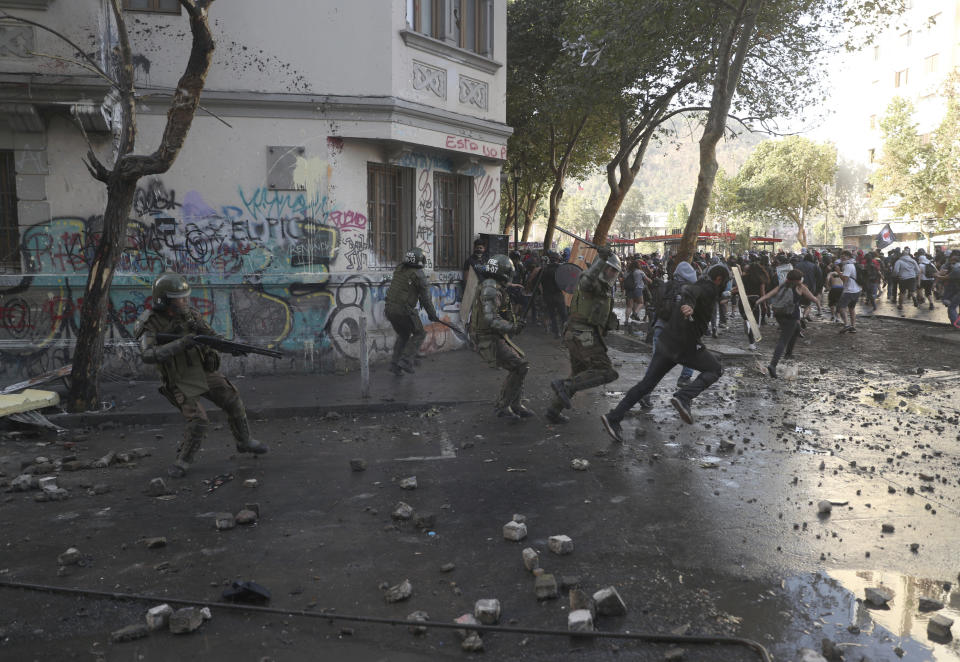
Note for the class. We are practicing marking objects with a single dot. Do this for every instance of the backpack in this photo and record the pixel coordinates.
(784, 301)
(861, 276)
(930, 271)
(669, 299)
(630, 282)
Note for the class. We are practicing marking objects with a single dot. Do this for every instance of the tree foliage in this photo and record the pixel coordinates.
(787, 179)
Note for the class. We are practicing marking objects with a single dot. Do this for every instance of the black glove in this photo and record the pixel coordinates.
(519, 326)
(604, 252)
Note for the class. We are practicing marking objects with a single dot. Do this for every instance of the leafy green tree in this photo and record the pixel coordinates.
(787, 179)
(677, 217)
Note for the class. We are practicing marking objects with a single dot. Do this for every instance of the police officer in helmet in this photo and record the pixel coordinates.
(492, 324)
(409, 285)
(188, 370)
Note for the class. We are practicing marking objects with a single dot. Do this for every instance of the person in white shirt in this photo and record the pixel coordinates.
(851, 293)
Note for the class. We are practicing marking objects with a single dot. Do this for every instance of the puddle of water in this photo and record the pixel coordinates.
(832, 599)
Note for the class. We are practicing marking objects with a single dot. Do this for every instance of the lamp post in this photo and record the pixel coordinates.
(516, 209)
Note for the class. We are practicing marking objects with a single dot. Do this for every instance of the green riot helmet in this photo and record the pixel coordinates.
(611, 267)
(415, 258)
(500, 267)
(169, 286)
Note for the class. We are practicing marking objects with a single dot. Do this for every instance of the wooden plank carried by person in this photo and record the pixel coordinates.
(469, 294)
(747, 310)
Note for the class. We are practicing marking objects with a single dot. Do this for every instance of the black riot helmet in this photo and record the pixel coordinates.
(500, 267)
(415, 258)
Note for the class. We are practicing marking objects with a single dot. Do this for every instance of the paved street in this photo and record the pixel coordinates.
(641, 516)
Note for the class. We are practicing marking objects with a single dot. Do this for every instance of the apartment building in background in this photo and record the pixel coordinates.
(333, 135)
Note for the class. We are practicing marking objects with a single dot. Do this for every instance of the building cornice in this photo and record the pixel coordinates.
(422, 42)
(48, 90)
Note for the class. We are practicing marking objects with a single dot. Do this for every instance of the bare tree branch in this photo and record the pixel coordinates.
(96, 168)
(82, 65)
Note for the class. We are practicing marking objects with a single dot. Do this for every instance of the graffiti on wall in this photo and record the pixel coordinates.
(278, 269)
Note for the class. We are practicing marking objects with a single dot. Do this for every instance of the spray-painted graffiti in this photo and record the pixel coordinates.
(487, 197)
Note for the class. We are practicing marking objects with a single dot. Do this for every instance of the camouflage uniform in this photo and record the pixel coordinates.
(409, 285)
(492, 320)
(189, 373)
(591, 316)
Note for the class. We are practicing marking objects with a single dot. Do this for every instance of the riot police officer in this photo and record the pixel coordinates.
(189, 370)
(408, 286)
(591, 316)
(492, 323)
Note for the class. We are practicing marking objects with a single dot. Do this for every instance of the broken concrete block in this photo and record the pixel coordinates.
(156, 487)
(466, 619)
(473, 643)
(225, 521)
(545, 587)
(878, 596)
(579, 599)
(129, 633)
(517, 517)
(487, 611)
(929, 604)
(400, 592)
(418, 616)
(251, 483)
(47, 483)
(580, 620)
(158, 617)
(358, 464)
(206, 613)
(886, 528)
(105, 461)
(824, 507)
(531, 558)
(155, 543)
(245, 517)
(70, 557)
(673, 654)
(514, 531)
(186, 620)
(560, 544)
(579, 464)
(409, 483)
(939, 626)
(609, 602)
(24, 483)
(402, 511)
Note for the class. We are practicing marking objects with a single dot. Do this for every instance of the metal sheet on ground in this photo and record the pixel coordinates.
(469, 294)
(751, 320)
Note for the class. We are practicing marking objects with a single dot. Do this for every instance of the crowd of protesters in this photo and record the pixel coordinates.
(818, 282)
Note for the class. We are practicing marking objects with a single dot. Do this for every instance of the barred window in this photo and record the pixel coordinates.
(453, 221)
(158, 6)
(390, 214)
(9, 225)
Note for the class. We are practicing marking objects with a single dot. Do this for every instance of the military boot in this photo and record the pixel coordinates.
(241, 433)
(193, 437)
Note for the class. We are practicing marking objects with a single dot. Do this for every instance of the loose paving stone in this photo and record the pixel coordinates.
(580, 620)
(155, 543)
(358, 464)
(251, 483)
(105, 461)
(929, 604)
(156, 487)
(609, 602)
(24, 483)
(186, 620)
(580, 599)
(545, 587)
(517, 517)
(531, 558)
(473, 643)
(824, 507)
(99, 488)
(158, 617)
(225, 521)
(70, 557)
(206, 613)
(579, 464)
(487, 611)
(400, 592)
(466, 619)
(514, 531)
(409, 483)
(47, 483)
(246, 517)
(448, 567)
(560, 544)
(129, 633)
(939, 626)
(878, 596)
(402, 511)
(418, 616)
(674, 654)
(886, 528)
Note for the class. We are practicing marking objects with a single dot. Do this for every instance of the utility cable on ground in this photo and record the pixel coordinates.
(648, 637)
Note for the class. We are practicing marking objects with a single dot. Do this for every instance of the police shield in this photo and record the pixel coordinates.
(567, 276)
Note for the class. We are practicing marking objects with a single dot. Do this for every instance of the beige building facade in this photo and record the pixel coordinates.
(334, 135)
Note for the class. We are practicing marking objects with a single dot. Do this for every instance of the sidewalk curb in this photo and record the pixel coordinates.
(89, 419)
(940, 325)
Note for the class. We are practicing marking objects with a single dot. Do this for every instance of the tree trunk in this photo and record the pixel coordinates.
(724, 87)
(614, 201)
(121, 184)
(88, 355)
(801, 234)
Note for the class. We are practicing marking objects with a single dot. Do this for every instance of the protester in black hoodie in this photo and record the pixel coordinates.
(687, 317)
